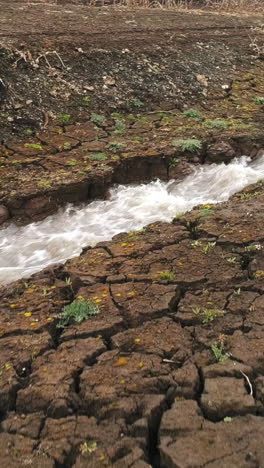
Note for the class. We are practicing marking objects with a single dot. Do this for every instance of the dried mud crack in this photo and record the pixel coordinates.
(169, 373)
(141, 383)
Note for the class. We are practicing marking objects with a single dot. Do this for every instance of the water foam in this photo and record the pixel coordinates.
(26, 250)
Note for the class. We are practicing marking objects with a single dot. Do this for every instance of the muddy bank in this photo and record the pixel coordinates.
(173, 357)
(37, 184)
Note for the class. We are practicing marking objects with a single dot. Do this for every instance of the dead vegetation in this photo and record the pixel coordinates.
(230, 6)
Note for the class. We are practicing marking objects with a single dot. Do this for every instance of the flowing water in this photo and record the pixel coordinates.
(26, 250)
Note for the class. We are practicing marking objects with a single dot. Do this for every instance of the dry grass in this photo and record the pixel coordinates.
(256, 37)
(230, 6)
(235, 5)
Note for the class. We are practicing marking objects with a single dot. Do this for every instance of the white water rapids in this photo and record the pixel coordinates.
(26, 250)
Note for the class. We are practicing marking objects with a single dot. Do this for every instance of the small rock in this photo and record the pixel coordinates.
(260, 153)
(18, 106)
(39, 206)
(109, 80)
(202, 80)
(220, 151)
(4, 214)
(89, 88)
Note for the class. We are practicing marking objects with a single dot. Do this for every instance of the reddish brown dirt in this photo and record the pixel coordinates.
(139, 384)
(162, 376)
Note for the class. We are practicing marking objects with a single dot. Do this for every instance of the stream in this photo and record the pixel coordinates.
(28, 249)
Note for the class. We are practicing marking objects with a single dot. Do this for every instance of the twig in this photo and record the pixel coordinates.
(60, 59)
(248, 381)
(160, 112)
(46, 119)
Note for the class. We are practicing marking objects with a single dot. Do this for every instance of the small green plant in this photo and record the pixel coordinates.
(46, 292)
(173, 163)
(117, 116)
(77, 311)
(37, 146)
(68, 281)
(196, 243)
(28, 132)
(208, 314)
(253, 247)
(190, 144)
(135, 234)
(44, 184)
(137, 103)
(217, 123)
(192, 113)
(167, 275)
(219, 353)
(207, 247)
(258, 100)
(228, 419)
(179, 215)
(88, 447)
(120, 126)
(98, 119)
(142, 119)
(64, 118)
(115, 146)
(206, 211)
(86, 101)
(248, 195)
(98, 156)
(232, 260)
(67, 145)
(72, 162)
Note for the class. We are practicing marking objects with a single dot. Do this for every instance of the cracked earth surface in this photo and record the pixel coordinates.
(138, 384)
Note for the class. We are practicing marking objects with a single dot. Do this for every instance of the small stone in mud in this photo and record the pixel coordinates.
(220, 151)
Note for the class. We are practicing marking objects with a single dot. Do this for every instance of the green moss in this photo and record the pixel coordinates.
(72, 162)
(98, 119)
(37, 146)
(64, 118)
(115, 146)
(258, 100)
(98, 156)
(192, 113)
(217, 123)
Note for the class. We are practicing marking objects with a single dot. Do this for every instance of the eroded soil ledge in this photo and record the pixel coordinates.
(170, 372)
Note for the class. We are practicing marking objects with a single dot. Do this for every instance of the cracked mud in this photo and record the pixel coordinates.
(139, 384)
